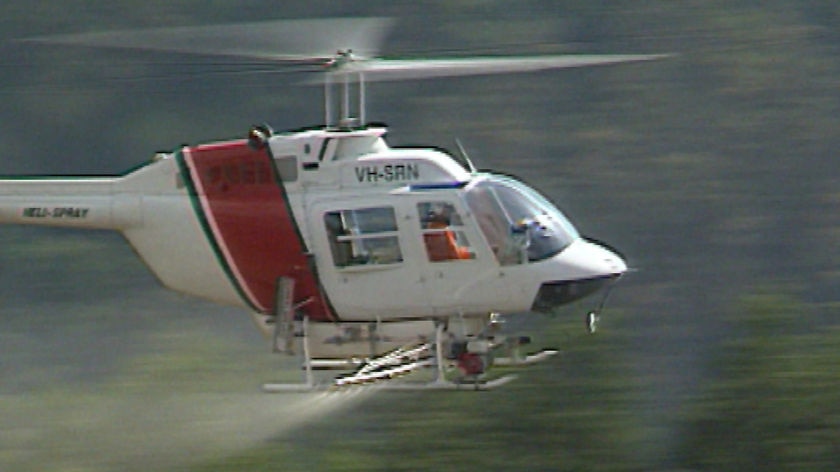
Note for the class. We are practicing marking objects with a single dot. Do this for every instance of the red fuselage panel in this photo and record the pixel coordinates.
(244, 210)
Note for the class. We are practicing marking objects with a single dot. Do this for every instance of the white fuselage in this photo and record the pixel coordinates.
(374, 233)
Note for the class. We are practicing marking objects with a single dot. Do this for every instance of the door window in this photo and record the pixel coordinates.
(363, 236)
(443, 234)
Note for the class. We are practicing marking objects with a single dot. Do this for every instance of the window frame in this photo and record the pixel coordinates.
(346, 236)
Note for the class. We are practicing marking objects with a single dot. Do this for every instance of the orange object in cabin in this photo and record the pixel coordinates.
(443, 245)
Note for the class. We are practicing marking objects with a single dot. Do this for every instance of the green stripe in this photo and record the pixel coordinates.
(205, 226)
(310, 258)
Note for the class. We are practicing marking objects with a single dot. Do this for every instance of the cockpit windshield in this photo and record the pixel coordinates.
(520, 224)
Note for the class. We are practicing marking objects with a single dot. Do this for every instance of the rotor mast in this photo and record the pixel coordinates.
(341, 77)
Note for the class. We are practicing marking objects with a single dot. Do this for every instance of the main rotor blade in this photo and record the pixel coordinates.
(385, 69)
(309, 40)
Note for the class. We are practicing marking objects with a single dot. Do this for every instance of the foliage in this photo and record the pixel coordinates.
(775, 401)
(772, 403)
(573, 414)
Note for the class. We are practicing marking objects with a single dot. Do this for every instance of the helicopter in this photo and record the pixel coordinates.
(373, 260)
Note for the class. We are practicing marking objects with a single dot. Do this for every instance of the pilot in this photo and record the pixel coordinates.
(442, 245)
(438, 216)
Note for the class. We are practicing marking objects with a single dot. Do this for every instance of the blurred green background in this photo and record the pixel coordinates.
(714, 172)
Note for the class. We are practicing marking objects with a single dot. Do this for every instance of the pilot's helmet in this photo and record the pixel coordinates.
(438, 213)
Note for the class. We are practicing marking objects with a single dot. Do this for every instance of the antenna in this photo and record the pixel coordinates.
(466, 157)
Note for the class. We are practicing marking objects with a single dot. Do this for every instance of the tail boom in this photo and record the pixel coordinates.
(85, 203)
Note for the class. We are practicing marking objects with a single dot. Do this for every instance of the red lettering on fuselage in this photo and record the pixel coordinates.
(253, 230)
(221, 176)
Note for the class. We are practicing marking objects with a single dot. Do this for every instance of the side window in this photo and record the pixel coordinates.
(287, 168)
(443, 234)
(363, 236)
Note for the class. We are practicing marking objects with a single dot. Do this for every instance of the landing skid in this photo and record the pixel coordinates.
(394, 385)
(294, 388)
(448, 385)
(527, 360)
(384, 372)
(380, 371)
(388, 371)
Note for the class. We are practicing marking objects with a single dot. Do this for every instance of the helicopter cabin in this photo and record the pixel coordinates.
(409, 232)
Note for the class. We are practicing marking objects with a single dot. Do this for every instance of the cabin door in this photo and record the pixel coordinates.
(458, 269)
(368, 268)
